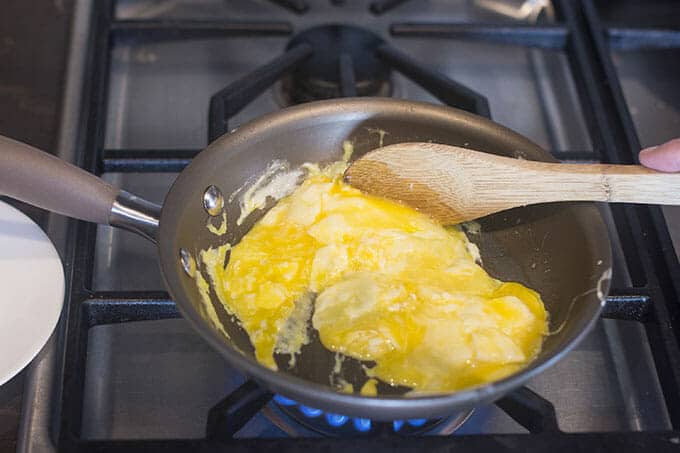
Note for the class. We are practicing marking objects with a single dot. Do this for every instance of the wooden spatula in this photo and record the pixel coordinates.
(455, 185)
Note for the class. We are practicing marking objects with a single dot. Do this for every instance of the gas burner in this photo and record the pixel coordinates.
(296, 420)
(343, 63)
(332, 61)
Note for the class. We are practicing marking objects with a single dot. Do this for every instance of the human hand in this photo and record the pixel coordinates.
(665, 157)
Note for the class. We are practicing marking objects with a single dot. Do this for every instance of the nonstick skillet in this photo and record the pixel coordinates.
(560, 250)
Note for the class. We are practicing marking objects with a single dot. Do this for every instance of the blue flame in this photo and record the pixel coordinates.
(417, 422)
(310, 411)
(336, 420)
(362, 424)
(283, 401)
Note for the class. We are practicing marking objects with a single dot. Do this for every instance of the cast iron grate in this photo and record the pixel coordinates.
(351, 57)
(302, 6)
(652, 298)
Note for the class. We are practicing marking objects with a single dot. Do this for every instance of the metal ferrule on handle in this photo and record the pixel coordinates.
(135, 214)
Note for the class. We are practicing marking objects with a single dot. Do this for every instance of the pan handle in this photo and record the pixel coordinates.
(40, 179)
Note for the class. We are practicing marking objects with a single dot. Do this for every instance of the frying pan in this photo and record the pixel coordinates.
(560, 250)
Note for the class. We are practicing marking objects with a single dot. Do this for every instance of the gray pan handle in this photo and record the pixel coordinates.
(40, 179)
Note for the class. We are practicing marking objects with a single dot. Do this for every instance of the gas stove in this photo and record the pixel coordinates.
(150, 83)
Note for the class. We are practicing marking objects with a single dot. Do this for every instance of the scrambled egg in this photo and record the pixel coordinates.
(385, 284)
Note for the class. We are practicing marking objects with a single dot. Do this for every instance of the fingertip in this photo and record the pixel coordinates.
(645, 156)
(648, 149)
(662, 158)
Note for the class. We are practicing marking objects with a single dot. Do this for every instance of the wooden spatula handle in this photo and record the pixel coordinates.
(595, 182)
(456, 184)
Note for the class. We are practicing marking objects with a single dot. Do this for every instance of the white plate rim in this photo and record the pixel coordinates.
(36, 336)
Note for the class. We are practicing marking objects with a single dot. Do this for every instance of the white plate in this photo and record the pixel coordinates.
(31, 290)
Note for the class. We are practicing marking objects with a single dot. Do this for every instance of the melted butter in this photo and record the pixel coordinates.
(220, 230)
(345, 387)
(207, 306)
(347, 151)
(337, 365)
(369, 388)
(392, 287)
(381, 135)
(276, 182)
(472, 227)
(293, 335)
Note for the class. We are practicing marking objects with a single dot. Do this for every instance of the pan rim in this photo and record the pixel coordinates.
(311, 393)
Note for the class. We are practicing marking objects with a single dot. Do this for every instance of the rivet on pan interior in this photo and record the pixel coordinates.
(213, 201)
(188, 262)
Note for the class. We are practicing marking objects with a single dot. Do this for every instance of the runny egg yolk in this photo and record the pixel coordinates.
(389, 286)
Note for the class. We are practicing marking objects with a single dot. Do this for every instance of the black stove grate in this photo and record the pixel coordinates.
(231, 99)
(652, 299)
(302, 6)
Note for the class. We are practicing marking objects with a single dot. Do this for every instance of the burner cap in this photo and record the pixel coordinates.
(318, 77)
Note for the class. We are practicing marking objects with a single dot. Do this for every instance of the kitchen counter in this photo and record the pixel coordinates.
(33, 47)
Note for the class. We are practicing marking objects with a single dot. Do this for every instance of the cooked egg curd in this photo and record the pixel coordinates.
(385, 284)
